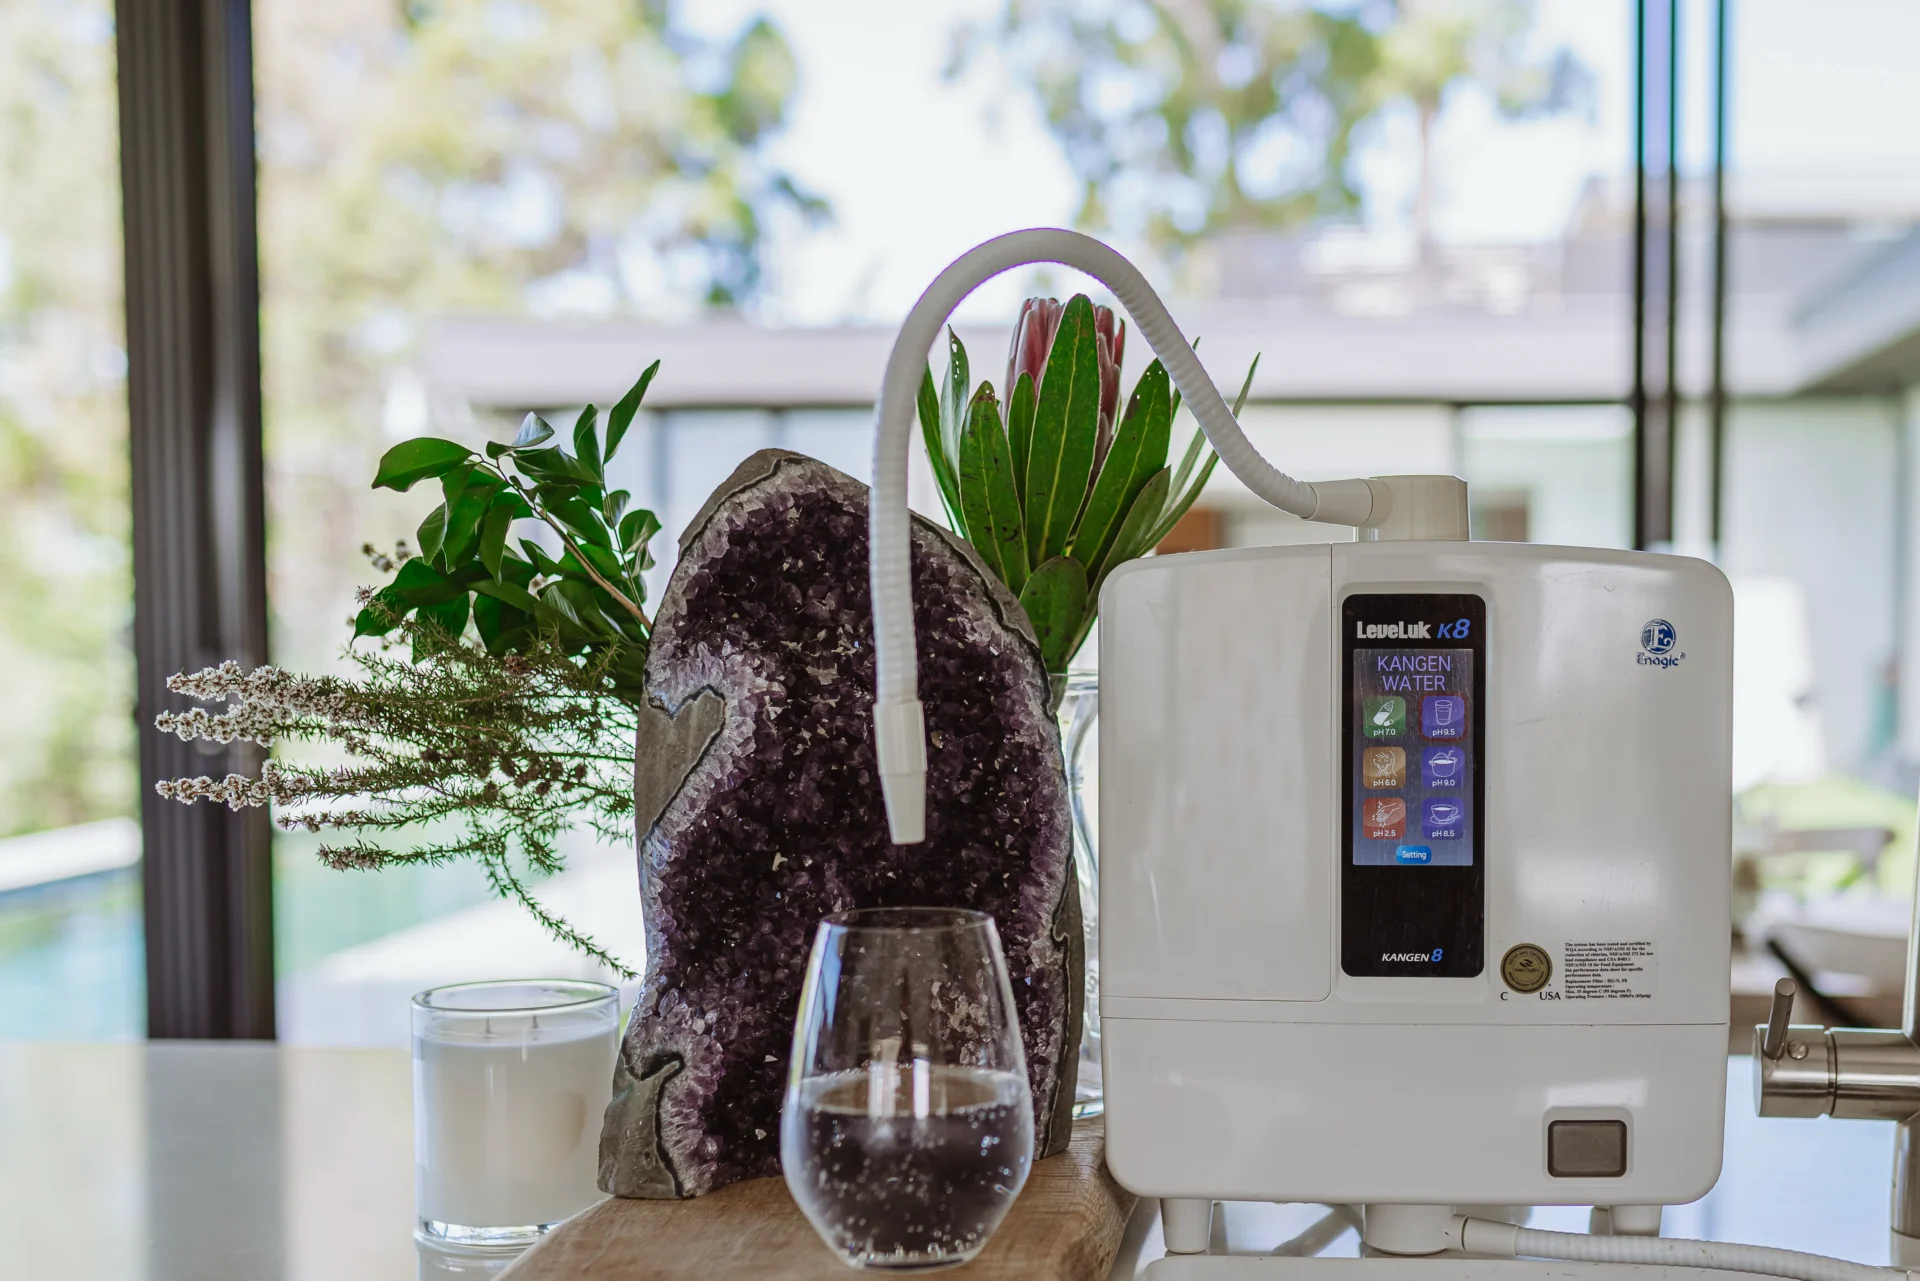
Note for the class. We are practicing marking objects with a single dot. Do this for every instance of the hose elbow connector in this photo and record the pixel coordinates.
(1360, 503)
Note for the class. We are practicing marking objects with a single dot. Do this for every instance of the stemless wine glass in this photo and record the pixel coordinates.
(908, 1125)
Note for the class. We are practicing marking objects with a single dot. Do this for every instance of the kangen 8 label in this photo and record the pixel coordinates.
(1413, 747)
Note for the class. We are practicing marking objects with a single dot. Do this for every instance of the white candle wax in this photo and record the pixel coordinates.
(507, 1112)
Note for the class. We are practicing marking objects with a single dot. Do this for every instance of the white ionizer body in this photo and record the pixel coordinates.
(1414, 851)
(1414, 874)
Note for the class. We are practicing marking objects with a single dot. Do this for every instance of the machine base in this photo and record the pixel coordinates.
(1439, 1267)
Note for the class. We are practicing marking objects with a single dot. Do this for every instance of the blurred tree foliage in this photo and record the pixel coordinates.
(1188, 117)
(417, 158)
(421, 158)
(66, 593)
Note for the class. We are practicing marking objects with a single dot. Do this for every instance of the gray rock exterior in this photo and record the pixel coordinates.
(759, 811)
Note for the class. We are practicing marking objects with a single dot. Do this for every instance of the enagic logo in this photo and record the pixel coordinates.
(1393, 631)
(1658, 638)
(1403, 958)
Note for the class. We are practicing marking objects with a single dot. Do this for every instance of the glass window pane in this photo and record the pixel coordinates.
(469, 212)
(1549, 474)
(70, 935)
(1823, 347)
(567, 162)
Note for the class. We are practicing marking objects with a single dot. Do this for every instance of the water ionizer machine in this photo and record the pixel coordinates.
(1414, 854)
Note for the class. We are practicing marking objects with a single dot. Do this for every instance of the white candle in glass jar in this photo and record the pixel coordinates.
(510, 1081)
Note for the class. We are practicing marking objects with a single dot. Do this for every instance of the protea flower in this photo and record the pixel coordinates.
(1033, 343)
(1061, 487)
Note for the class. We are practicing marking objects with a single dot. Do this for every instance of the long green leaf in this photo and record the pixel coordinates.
(533, 430)
(1178, 505)
(454, 483)
(583, 520)
(398, 598)
(586, 439)
(510, 593)
(499, 625)
(620, 417)
(1087, 617)
(987, 495)
(574, 600)
(379, 616)
(1246, 385)
(1190, 458)
(418, 459)
(538, 557)
(419, 583)
(451, 614)
(604, 562)
(1054, 599)
(554, 466)
(464, 514)
(1065, 425)
(635, 529)
(1021, 404)
(1199, 440)
(432, 533)
(1139, 449)
(943, 467)
(1136, 530)
(493, 536)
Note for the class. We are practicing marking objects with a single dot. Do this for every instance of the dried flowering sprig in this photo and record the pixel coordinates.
(507, 750)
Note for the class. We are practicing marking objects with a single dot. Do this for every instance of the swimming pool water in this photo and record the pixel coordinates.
(72, 953)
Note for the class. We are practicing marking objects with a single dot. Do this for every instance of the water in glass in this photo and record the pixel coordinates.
(908, 1127)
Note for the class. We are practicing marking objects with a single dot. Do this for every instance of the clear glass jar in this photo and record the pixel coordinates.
(510, 1082)
(1080, 742)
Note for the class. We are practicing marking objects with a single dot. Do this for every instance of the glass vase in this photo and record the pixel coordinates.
(1080, 743)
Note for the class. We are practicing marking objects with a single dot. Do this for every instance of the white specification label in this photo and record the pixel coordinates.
(1607, 971)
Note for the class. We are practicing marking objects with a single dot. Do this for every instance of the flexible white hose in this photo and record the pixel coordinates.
(1480, 1236)
(899, 730)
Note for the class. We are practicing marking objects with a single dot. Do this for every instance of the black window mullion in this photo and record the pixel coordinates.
(193, 345)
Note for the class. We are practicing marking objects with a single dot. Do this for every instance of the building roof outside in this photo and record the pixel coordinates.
(1822, 299)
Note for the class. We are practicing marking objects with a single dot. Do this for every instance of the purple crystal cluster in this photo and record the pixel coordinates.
(759, 811)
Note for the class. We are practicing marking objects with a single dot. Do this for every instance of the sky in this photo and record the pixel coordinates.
(919, 168)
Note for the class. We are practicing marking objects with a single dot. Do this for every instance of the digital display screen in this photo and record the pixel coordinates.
(1414, 719)
(1413, 765)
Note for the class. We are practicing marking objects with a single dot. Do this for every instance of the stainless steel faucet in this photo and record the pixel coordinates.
(1852, 1072)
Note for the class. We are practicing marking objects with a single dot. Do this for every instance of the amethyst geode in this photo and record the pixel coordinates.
(759, 811)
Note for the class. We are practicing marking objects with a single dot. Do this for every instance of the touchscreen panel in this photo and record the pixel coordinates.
(1413, 687)
(1412, 756)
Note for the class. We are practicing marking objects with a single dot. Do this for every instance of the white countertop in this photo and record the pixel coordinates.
(251, 1162)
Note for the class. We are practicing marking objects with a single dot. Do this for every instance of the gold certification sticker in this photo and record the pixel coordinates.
(1526, 967)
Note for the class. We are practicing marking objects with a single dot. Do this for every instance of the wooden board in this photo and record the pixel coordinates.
(1065, 1226)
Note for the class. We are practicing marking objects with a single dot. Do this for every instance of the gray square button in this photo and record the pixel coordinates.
(1586, 1149)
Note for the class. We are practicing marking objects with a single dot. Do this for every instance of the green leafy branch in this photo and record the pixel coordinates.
(1048, 511)
(589, 598)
